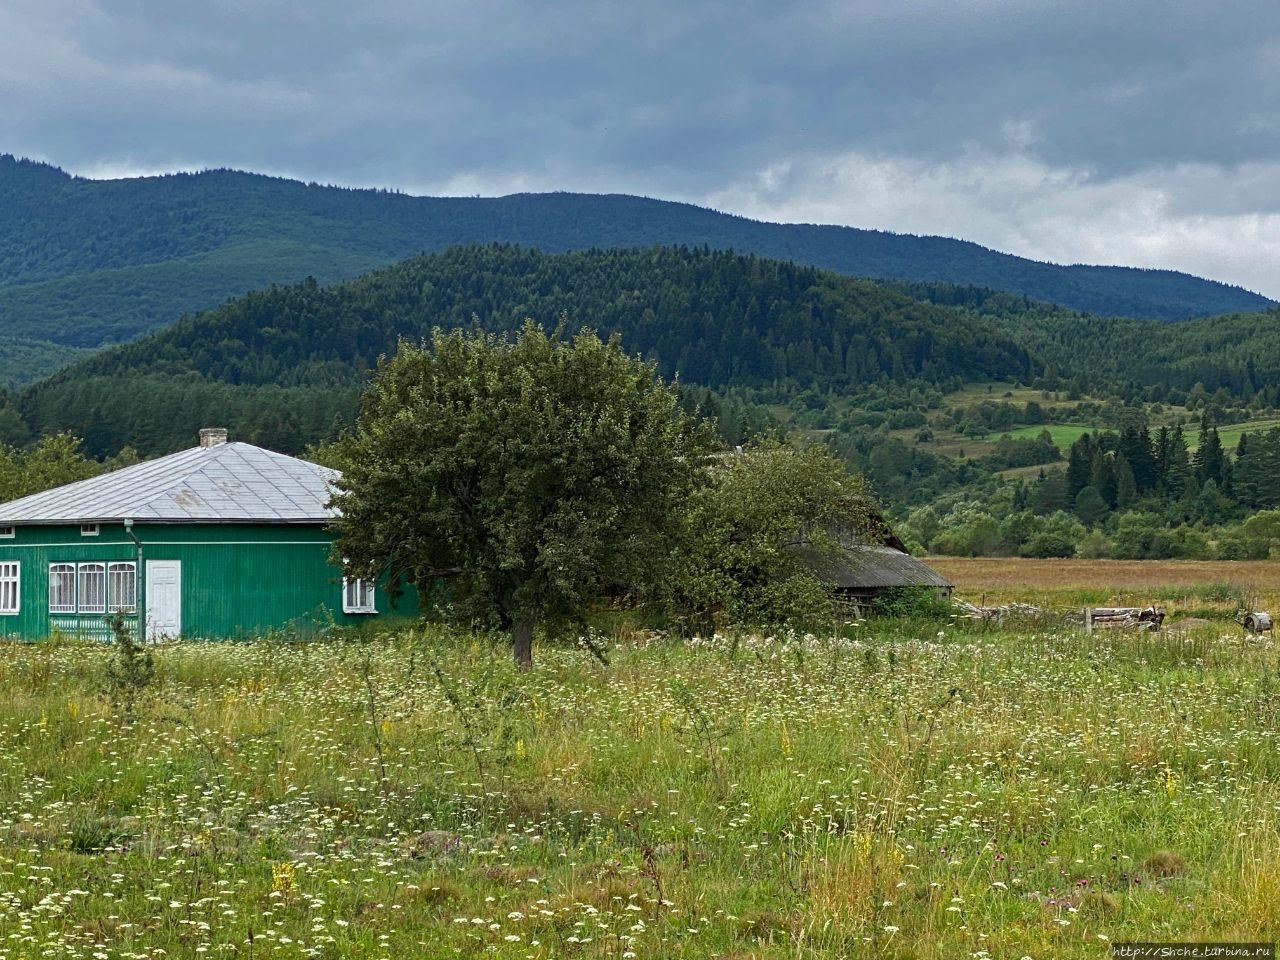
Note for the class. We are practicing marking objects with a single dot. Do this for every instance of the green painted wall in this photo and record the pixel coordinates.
(238, 580)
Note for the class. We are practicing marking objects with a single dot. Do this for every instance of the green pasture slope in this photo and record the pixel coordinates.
(1064, 435)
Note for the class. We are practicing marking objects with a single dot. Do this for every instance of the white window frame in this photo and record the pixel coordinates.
(88, 529)
(91, 581)
(8, 532)
(10, 587)
(63, 569)
(358, 595)
(115, 570)
(109, 572)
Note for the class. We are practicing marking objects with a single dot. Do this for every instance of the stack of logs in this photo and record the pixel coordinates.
(1102, 618)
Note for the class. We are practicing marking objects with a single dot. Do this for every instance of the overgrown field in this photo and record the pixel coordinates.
(1217, 588)
(901, 792)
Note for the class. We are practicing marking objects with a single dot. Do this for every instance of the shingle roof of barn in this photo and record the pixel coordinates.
(226, 483)
(872, 566)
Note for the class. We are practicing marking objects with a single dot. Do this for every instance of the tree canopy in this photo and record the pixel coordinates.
(760, 534)
(530, 474)
(54, 461)
(712, 319)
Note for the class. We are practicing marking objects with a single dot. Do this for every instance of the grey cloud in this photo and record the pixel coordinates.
(1169, 218)
(680, 99)
(713, 88)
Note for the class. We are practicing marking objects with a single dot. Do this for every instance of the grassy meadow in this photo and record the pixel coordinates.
(953, 443)
(1215, 589)
(927, 789)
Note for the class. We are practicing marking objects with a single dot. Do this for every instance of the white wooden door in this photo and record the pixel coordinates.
(164, 599)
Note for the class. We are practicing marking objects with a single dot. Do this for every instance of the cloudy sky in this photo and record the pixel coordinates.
(1097, 131)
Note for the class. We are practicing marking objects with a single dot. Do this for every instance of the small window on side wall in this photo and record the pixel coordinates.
(10, 583)
(88, 529)
(6, 533)
(357, 596)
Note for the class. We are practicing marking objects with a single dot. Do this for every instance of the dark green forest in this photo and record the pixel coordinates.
(935, 392)
(25, 359)
(282, 366)
(1238, 353)
(1129, 494)
(85, 263)
(291, 359)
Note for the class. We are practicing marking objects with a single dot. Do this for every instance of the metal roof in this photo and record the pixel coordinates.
(226, 483)
(869, 566)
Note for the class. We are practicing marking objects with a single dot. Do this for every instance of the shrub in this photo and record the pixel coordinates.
(920, 601)
(1243, 548)
(1094, 546)
(131, 671)
(1048, 545)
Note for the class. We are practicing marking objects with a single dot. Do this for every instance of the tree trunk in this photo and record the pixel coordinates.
(522, 642)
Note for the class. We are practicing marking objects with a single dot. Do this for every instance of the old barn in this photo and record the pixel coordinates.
(862, 571)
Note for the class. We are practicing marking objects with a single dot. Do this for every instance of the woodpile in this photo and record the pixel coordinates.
(1022, 611)
(1091, 618)
(1108, 618)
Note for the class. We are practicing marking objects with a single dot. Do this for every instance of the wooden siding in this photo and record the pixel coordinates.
(238, 580)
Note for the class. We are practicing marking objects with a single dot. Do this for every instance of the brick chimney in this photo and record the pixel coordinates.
(213, 436)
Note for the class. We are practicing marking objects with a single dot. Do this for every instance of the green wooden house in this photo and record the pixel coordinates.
(223, 540)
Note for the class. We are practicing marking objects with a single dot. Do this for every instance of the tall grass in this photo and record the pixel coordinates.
(900, 791)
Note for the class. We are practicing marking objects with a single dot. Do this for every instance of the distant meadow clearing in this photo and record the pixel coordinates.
(905, 790)
(1218, 589)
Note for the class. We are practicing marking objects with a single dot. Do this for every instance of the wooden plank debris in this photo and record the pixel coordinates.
(1108, 618)
(1023, 611)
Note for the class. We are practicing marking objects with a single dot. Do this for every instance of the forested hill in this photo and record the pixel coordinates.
(282, 364)
(86, 262)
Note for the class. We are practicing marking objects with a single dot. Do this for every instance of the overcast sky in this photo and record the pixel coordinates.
(1097, 131)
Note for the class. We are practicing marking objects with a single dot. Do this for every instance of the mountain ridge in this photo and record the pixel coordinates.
(128, 256)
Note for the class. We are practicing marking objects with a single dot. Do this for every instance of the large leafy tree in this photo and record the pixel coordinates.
(535, 475)
(765, 535)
